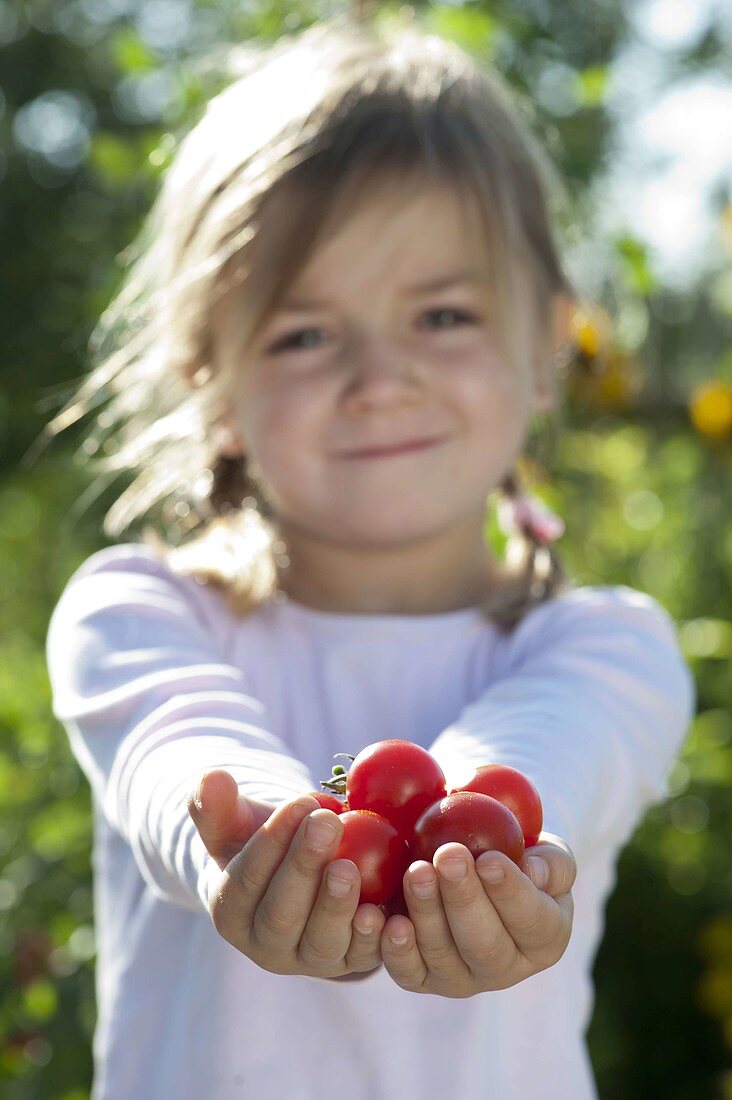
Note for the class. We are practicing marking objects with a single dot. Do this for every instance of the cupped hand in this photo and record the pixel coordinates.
(468, 935)
(273, 901)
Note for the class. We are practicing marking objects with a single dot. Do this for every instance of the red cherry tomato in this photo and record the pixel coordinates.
(378, 850)
(396, 904)
(396, 779)
(330, 801)
(478, 821)
(513, 789)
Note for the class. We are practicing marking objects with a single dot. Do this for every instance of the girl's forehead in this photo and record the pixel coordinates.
(434, 226)
(390, 201)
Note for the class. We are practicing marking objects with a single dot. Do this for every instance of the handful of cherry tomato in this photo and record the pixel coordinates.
(395, 808)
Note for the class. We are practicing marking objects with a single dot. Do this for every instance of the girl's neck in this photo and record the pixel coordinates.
(424, 579)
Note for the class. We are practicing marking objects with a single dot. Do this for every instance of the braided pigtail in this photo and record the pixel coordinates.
(240, 549)
(230, 486)
(533, 571)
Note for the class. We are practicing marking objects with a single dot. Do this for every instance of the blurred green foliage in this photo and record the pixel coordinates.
(93, 95)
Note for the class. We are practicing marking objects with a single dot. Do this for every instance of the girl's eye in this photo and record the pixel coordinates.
(294, 339)
(291, 341)
(464, 317)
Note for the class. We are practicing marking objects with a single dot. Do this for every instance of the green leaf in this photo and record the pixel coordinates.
(635, 266)
(591, 85)
(130, 54)
(59, 830)
(472, 29)
(159, 150)
(113, 156)
(40, 999)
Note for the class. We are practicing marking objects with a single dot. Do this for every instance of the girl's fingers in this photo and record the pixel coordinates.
(402, 957)
(327, 934)
(498, 931)
(284, 910)
(532, 918)
(364, 952)
(477, 928)
(225, 821)
(431, 922)
(560, 870)
(251, 871)
(453, 933)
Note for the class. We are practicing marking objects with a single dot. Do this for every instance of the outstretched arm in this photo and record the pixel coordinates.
(150, 702)
(592, 703)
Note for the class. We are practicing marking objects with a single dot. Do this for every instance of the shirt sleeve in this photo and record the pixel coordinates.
(593, 705)
(149, 704)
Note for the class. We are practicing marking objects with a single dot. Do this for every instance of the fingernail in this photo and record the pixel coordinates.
(453, 869)
(365, 925)
(198, 797)
(538, 872)
(423, 889)
(490, 872)
(300, 810)
(398, 941)
(338, 887)
(319, 833)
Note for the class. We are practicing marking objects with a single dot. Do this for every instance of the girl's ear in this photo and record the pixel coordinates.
(196, 371)
(230, 442)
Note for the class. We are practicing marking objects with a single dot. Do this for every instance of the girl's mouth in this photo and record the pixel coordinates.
(397, 449)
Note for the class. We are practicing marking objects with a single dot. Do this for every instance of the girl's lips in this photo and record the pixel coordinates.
(402, 448)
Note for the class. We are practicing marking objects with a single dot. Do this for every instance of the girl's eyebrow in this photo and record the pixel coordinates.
(440, 282)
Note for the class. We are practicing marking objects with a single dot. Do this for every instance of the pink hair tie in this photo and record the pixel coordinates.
(525, 510)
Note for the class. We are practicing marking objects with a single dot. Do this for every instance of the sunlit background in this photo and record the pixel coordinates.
(634, 102)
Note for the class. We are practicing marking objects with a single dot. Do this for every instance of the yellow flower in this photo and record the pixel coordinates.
(614, 384)
(710, 408)
(590, 330)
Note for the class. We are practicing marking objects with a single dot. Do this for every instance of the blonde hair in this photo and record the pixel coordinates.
(311, 122)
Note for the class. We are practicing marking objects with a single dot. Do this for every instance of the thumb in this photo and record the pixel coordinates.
(559, 870)
(225, 820)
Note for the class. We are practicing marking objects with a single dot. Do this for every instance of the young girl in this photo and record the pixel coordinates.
(344, 314)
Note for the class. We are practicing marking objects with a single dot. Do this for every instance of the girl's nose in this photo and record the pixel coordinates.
(380, 371)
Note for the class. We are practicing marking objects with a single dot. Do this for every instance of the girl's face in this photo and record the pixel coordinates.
(362, 356)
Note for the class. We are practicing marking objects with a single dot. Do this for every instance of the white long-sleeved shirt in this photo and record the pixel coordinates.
(156, 681)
